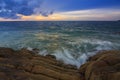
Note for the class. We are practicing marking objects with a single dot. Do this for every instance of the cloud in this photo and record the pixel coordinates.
(15, 9)
(92, 14)
(12, 8)
(83, 15)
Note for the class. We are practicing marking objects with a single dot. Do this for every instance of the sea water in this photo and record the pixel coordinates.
(70, 41)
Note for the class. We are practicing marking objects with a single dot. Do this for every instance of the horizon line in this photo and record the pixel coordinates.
(54, 20)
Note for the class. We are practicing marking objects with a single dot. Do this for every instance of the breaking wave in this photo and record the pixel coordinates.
(72, 45)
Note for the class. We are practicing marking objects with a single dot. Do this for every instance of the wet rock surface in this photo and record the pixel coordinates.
(103, 66)
(27, 65)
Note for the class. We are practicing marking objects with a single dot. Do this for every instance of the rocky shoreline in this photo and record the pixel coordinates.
(104, 65)
(27, 65)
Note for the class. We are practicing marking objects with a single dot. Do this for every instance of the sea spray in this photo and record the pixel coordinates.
(71, 42)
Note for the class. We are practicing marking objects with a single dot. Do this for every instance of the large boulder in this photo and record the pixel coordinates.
(102, 66)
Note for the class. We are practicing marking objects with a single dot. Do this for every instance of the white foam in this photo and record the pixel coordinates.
(65, 56)
(29, 48)
(81, 60)
(43, 52)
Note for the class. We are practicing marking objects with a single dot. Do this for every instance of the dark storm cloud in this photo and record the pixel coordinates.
(46, 13)
(11, 8)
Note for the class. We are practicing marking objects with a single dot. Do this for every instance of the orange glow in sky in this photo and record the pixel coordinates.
(93, 14)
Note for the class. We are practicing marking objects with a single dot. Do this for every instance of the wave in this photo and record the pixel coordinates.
(67, 48)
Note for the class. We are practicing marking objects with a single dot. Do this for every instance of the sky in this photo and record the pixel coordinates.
(57, 10)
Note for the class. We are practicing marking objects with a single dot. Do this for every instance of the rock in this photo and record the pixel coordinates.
(83, 69)
(114, 76)
(6, 52)
(26, 65)
(35, 51)
(51, 56)
(103, 66)
(24, 52)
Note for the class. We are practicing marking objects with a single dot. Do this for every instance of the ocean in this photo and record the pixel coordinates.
(72, 42)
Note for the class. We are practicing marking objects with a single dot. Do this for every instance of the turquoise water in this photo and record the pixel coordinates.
(71, 42)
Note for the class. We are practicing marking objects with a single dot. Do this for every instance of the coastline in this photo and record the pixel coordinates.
(28, 65)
